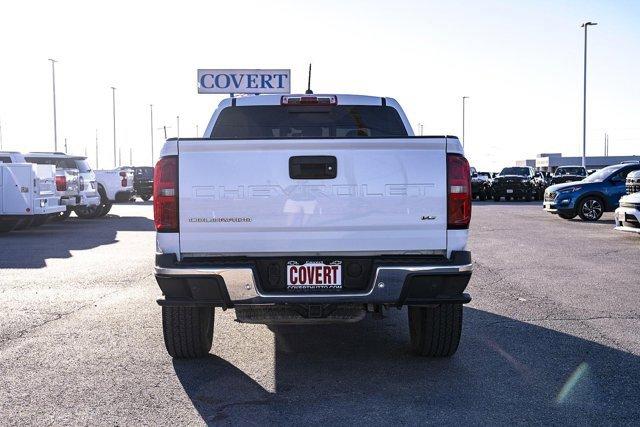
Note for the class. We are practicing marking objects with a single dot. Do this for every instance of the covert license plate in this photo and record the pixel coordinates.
(314, 275)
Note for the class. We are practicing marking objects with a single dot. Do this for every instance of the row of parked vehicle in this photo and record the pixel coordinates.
(39, 187)
(571, 191)
(521, 182)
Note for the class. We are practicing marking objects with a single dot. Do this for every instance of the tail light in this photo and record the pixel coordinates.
(123, 174)
(458, 192)
(165, 194)
(61, 183)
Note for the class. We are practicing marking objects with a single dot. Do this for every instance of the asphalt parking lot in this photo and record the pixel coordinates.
(551, 337)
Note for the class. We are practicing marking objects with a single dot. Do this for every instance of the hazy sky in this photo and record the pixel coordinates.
(520, 62)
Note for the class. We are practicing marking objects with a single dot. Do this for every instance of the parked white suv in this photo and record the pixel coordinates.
(312, 208)
(627, 216)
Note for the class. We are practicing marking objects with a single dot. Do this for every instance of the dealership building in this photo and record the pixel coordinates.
(549, 162)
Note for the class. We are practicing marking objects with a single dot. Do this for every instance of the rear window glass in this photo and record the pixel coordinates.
(515, 171)
(144, 173)
(65, 163)
(4, 159)
(275, 121)
(570, 171)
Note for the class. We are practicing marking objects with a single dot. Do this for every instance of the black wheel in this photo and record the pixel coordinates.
(435, 331)
(88, 212)
(483, 196)
(146, 197)
(590, 208)
(61, 216)
(104, 209)
(188, 331)
(567, 215)
(496, 198)
(508, 198)
(38, 220)
(7, 225)
(23, 223)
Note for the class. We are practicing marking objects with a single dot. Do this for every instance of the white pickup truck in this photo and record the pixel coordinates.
(312, 208)
(77, 193)
(114, 186)
(27, 193)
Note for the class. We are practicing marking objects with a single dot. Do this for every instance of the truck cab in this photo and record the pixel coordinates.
(308, 209)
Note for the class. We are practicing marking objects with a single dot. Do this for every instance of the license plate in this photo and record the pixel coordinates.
(314, 275)
(509, 191)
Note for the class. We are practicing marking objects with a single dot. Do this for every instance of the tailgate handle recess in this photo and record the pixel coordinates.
(313, 167)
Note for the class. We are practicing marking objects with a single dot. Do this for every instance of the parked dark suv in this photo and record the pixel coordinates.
(142, 181)
(515, 183)
(568, 174)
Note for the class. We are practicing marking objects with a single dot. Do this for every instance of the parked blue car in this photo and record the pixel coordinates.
(591, 197)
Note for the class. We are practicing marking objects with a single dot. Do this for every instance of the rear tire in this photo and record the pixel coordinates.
(188, 331)
(105, 209)
(39, 220)
(435, 331)
(23, 223)
(61, 216)
(496, 198)
(146, 197)
(88, 212)
(7, 226)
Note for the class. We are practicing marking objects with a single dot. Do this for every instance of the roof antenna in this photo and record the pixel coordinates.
(309, 91)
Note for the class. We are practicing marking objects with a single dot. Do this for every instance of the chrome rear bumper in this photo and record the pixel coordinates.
(399, 284)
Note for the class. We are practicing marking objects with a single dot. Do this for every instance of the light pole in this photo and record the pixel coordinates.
(55, 118)
(130, 156)
(584, 97)
(152, 156)
(464, 98)
(178, 125)
(197, 132)
(113, 100)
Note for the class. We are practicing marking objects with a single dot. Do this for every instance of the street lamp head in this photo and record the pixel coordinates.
(586, 24)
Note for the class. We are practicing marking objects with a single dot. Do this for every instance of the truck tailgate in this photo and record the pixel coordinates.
(243, 197)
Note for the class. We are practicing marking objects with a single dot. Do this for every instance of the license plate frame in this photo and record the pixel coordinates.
(313, 275)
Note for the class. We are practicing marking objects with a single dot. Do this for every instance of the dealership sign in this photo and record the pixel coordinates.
(244, 81)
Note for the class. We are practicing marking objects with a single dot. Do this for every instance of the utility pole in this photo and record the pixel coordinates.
(97, 167)
(119, 156)
(464, 98)
(178, 125)
(584, 97)
(55, 118)
(0, 135)
(130, 156)
(197, 132)
(152, 154)
(65, 145)
(113, 100)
